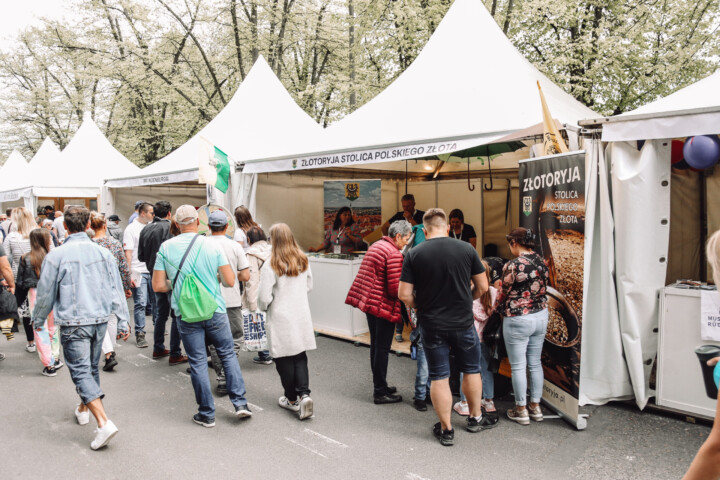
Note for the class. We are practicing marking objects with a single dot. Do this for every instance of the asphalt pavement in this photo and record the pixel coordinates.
(349, 437)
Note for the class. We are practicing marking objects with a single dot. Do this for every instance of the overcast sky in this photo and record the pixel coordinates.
(19, 14)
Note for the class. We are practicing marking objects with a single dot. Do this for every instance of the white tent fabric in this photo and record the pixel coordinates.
(14, 179)
(641, 206)
(83, 164)
(693, 110)
(468, 86)
(47, 156)
(603, 370)
(260, 116)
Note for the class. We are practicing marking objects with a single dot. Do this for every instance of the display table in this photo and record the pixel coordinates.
(679, 379)
(332, 279)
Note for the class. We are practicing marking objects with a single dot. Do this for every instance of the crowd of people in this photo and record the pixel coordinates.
(72, 281)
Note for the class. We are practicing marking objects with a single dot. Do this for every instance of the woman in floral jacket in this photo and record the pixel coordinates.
(523, 303)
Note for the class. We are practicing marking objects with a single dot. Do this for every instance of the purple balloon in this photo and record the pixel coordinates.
(702, 152)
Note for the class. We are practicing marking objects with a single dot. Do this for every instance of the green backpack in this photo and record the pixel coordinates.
(195, 302)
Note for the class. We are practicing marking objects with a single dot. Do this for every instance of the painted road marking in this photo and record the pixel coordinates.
(415, 476)
(146, 357)
(305, 447)
(327, 439)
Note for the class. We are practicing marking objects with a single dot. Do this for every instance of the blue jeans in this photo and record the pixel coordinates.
(161, 312)
(465, 344)
(488, 381)
(150, 307)
(217, 331)
(140, 299)
(524, 337)
(82, 347)
(422, 384)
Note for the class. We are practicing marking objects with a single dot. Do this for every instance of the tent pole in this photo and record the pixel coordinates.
(471, 187)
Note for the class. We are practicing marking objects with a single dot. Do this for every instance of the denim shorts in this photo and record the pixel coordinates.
(465, 345)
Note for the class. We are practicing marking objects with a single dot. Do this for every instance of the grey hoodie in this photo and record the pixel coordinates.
(115, 231)
(257, 254)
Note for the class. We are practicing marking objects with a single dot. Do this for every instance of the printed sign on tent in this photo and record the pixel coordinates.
(710, 315)
(552, 204)
(363, 198)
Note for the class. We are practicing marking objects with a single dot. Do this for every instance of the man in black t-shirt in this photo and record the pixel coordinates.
(436, 280)
(415, 217)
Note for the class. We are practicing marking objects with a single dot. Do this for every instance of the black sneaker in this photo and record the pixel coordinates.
(491, 415)
(484, 423)
(420, 405)
(110, 363)
(446, 437)
(391, 390)
(206, 422)
(49, 371)
(243, 411)
(383, 399)
(58, 364)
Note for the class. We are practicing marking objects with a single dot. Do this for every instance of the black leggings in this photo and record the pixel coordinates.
(294, 375)
(21, 294)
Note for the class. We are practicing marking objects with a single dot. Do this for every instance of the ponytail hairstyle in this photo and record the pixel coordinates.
(39, 247)
(486, 298)
(523, 237)
(97, 221)
(286, 258)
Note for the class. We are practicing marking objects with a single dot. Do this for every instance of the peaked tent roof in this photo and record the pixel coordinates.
(14, 174)
(47, 155)
(83, 164)
(469, 86)
(693, 110)
(260, 116)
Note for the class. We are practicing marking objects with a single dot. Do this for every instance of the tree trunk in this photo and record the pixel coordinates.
(351, 52)
(508, 15)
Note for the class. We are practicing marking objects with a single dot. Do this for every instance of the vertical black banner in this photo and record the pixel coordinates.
(552, 204)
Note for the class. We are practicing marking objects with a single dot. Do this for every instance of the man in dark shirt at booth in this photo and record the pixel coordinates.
(415, 217)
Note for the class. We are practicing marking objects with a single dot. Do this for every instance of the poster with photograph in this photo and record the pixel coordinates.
(552, 204)
(363, 198)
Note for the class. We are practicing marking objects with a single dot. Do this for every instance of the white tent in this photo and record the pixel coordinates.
(469, 86)
(13, 177)
(650, 221)
(46, 157)
(693, 110)
(260, 115)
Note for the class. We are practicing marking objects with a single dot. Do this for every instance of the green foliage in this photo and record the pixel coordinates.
(153, 72)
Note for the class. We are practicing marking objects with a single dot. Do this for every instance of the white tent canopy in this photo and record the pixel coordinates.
(13, 177)
(83, 164)
(260, 115)
(46, 157)
(693, 110)
(469, 86)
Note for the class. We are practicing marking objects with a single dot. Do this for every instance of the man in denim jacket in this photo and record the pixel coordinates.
(82, 283)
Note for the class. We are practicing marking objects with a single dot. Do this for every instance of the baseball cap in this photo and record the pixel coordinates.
(138, 203)
(114, 218)
(185, 215)
(217, 219)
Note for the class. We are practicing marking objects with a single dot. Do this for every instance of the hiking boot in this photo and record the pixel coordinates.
(49, 371)
(446, 437)
(206, 422)
(287, 404)
(462, 408)
(535, 413)
(390, 398)
(140, 341)
(110, 363)
(420, 405)
(485, 422)
(178, 360)
(161, 354)
(103, 435)
(519, 416)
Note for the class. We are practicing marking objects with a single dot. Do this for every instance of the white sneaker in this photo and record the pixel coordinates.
(83, 418)
(306, 407)
(103, 435)
(285, 403)
(30, 348)
(462, 408)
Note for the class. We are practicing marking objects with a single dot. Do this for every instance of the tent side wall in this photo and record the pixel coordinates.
(123, 199)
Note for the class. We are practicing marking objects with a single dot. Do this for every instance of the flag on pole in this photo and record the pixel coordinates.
(214, 166)
(552, 140)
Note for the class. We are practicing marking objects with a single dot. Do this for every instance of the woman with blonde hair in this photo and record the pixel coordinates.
(707, 461)
(17, 244)
(285, 281)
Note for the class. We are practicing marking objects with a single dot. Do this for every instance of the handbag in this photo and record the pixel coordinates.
(494, 340)
(8, 304)
(254, 333)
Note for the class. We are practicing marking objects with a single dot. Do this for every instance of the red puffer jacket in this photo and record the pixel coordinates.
(375, 289)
